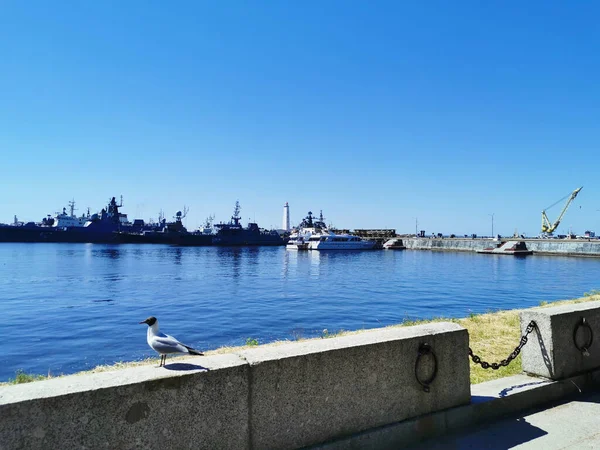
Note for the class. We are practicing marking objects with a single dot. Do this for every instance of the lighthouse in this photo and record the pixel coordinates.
(286, 217)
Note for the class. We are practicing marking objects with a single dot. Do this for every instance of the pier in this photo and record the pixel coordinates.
(561, 247)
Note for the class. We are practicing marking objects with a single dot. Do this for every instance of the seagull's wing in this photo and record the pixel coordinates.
(164, 343)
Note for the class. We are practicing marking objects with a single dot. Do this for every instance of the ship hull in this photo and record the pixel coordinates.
(49, 234)
(27, 234)
(248, 240)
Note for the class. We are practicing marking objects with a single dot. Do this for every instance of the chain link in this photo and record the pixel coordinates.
(505, 362)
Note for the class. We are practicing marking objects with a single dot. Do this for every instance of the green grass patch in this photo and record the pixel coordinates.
(23, 377)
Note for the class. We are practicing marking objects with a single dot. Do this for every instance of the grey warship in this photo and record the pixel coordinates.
(234, 234)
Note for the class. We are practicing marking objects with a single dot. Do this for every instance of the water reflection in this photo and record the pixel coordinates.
(315, 263)
(111, 253)
(88, 253)
(285, 267)
(296, 262)
(68, 253)
(177, 254)
(138, 252)
(252, 262)
(231, 257)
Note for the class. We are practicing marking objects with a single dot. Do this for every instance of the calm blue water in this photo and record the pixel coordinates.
(70, 307)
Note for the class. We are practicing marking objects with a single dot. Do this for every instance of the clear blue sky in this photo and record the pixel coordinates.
(375, 112)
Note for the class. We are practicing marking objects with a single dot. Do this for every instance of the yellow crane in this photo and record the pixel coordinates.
(547, 227)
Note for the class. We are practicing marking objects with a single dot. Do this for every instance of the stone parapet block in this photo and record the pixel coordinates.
(199, 403)
(310, 392)
(551, 350)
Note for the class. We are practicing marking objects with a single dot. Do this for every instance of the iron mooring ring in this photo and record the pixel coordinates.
(425, 349)
(584, 348)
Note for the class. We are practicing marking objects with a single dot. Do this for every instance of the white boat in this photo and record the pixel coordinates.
(297, 242)
(314, 235)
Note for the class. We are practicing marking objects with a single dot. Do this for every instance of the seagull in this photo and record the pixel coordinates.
(164, 344)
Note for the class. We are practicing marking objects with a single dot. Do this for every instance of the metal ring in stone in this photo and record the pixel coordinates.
(425, 349)
(585, 325)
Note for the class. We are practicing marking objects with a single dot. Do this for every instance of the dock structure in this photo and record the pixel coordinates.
(340, 231)
(508, 248)
(375, 233)
(378, 235)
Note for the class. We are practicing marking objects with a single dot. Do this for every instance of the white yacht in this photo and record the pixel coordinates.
(314, 235)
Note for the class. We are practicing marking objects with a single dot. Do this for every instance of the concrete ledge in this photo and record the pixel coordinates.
(551, 351)
(491, 401)
(284, 396)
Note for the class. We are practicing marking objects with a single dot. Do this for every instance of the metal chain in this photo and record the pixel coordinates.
(505, 362)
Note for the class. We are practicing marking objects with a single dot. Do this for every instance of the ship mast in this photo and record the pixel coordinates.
(236, 213)
(209, 220)
(72, 207)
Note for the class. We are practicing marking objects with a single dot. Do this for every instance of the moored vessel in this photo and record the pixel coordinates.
(171, 233)
(98, 228)
(313, 234)
(234, 234)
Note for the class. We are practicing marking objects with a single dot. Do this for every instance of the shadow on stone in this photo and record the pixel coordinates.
(497, 436)
(545, 355)
(507, 435)
(504, 392)
(475, 399)
(185, 366)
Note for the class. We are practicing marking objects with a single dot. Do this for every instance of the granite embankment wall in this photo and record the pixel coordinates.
(564, 247)
(286, 396)
(464, 245)
(539, 246)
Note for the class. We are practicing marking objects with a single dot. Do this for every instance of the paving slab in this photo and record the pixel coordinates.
(569, 424)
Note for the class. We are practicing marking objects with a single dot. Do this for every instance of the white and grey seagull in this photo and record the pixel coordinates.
(164, 344)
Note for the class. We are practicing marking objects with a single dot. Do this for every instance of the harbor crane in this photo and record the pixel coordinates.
(547, 227)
